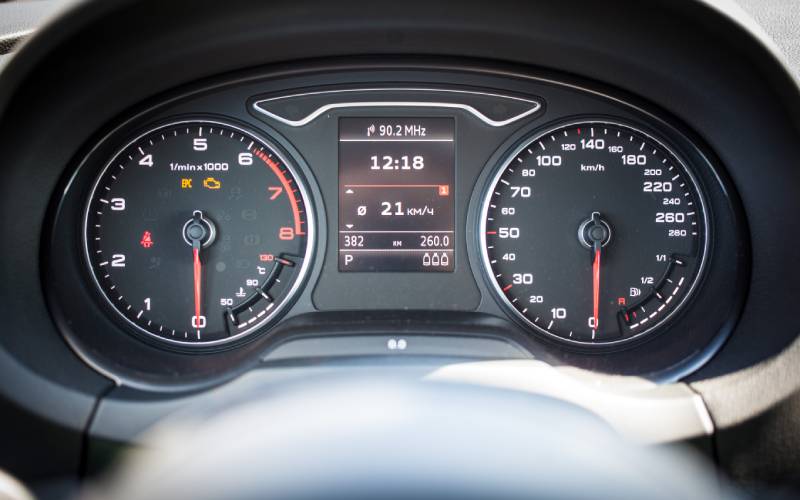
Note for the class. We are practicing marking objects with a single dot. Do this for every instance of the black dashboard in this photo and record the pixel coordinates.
(597, 207)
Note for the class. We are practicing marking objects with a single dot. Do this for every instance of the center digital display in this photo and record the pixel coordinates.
(396, 208)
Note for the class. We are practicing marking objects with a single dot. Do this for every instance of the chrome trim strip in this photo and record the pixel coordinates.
(534, 105)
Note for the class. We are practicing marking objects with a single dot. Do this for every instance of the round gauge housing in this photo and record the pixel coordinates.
(593, 233)
(198, 233)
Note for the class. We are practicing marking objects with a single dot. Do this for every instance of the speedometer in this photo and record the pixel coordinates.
(198, 232)
(593, 232)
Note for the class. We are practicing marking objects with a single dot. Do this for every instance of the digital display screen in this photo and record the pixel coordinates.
(396, 199)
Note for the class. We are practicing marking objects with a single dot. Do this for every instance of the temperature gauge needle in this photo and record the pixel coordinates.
(198, 287)
(596, 286)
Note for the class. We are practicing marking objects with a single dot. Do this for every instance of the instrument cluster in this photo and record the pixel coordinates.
(224, 221)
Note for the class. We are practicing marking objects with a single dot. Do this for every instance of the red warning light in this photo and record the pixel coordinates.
(621, 301)
(147, 240)
(266, 257)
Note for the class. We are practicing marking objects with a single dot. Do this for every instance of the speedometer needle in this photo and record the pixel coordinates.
(198, 288)
(596, 285)
(593, 234)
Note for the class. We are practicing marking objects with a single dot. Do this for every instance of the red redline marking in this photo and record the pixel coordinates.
(491, 232)
(289, 191)
(507, 288)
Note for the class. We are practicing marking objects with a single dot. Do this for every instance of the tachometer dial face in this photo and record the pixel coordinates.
(593, 233)
(198, 232)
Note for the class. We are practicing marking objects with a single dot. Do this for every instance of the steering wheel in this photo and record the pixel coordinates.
(358, 438)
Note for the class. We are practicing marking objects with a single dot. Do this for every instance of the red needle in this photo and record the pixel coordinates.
(596, 286)
(197, 286)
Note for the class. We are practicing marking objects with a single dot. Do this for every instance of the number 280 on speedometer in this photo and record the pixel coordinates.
(593, 233)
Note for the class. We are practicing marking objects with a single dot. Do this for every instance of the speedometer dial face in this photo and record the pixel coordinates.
(198, 232)
(593, 233)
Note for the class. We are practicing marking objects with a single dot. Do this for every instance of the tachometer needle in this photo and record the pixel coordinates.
(198, 232)
(596, 286)
(198, 287)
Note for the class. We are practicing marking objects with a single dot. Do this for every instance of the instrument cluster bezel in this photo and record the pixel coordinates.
(682, 347)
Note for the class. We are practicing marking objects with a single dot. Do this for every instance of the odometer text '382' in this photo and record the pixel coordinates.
(198, 232)
(593, 233)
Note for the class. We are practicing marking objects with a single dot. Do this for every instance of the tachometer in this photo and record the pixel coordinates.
(198, 232)
(593, 233)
